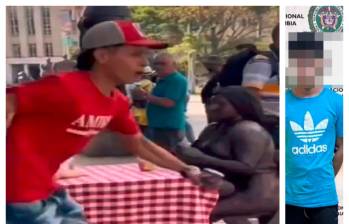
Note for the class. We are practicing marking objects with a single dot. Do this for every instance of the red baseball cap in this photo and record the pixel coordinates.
(118, 32)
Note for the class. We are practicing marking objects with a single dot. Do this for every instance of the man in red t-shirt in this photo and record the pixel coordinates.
(50, 120)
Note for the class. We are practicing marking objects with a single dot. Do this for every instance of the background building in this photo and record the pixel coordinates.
(36, 33)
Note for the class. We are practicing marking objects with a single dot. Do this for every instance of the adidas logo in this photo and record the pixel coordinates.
(305, 149)
(308, 133)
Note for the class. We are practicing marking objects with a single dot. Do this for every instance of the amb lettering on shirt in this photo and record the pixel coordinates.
(87, 125)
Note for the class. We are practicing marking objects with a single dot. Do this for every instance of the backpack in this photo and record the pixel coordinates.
(232, 71)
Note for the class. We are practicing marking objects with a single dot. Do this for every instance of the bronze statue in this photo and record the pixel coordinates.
(237, 145)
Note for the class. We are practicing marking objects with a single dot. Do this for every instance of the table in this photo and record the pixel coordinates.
(123, 194)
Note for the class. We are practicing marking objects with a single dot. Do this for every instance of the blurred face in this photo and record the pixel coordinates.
(309, 68)
(220, 109)
(164, 66)
(124, 64)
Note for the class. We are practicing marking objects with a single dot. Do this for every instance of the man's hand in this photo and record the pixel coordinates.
(160, 101)
(192, 173)
(202, 178)
(140, 94)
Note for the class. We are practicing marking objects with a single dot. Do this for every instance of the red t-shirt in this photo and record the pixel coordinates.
(55, 118)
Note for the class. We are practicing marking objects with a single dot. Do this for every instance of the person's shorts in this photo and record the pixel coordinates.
(59, 208)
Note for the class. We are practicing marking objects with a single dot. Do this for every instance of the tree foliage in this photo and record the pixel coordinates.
(208, 30)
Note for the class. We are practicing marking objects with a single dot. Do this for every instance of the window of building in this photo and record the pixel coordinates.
(16, 50)
(29, 14)
(46, 20)
(32, 50)
(48, 49)
(13, 19)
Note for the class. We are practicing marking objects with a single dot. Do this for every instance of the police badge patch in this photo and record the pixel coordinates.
(326, 18)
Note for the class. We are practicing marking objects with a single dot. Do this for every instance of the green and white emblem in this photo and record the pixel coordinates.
(326, 18)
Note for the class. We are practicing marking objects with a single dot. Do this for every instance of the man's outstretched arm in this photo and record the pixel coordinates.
(145, 149)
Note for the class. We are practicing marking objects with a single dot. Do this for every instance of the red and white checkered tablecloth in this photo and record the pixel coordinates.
(123, 194)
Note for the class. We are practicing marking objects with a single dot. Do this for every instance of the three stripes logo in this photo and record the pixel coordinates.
(309, 133)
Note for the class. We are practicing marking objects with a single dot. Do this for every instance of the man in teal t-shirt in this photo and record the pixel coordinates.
(314, 137)
(167, 104)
